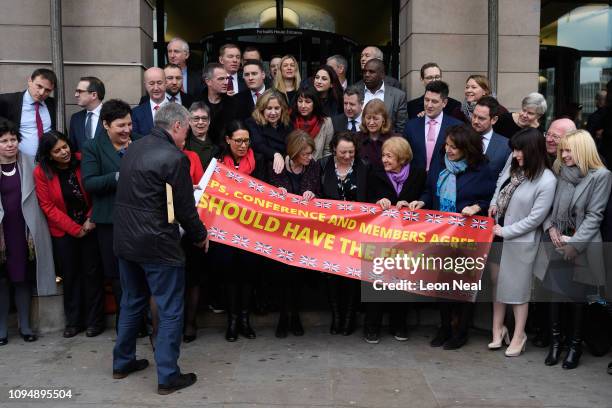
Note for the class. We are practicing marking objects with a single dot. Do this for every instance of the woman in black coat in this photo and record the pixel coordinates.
(394, 184)
(300, 176)
(343, 177)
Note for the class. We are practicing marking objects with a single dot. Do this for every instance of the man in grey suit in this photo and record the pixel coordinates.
(394, 98)
(351, 118)
(495, 146)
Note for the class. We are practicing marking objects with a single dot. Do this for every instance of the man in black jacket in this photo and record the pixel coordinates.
(147, 243)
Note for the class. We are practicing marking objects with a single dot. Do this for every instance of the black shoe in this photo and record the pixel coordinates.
(188, 338)
(401, 333)
(554, 350)
(442, 337)
(245, 328)
(573, 355)
(4, 341)
(282, 326)
(71, 332)
(455, 342)
(372, 337)
(133, 366)
(182, 381)
(231, 334)
(94, 331)
(296, 325)
(28, 338)
(609, 364)
(348, 327)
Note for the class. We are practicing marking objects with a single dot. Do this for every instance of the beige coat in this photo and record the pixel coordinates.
(323, 139)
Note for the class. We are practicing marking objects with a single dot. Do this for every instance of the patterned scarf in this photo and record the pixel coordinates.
(505, 195)
(467, 108)
(446, 187)
(562, 218)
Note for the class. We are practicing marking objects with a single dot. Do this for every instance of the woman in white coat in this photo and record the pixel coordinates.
(573, 266)
(26, 257)
(521, 203)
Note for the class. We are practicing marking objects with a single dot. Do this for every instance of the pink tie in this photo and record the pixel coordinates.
(430, 141)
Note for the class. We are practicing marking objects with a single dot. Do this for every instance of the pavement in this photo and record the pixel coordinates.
(316, 370)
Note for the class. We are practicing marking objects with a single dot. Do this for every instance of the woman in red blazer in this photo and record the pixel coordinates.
(67, 207)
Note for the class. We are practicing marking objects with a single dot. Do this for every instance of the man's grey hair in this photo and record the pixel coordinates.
(537, 101)
(354, 90)
(199, 105)
(169, 114)
(209, 71)
(378, 54)
(340, 60)
(184, 44)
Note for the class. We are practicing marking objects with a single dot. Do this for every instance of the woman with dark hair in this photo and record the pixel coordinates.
(522, 200)
(329, 89)
(100, 171)
(197, 139)
(269, 126)
(300, 176)
(67, 207)
(238, 155)
(343, 177)
(26, 257)
(459, 182)
(394, 183)
(307, 114)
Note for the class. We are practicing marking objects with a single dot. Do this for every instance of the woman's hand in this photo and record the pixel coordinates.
(497, 230)
(88, 225)
(401, 204)
(81, 233)
(470, 210)
(416, 205)
(278, 163)
(420, 114)
(555, 237)
(568, 252)
(385, 203)
(308, 195)
(283, 190)
(492, 211)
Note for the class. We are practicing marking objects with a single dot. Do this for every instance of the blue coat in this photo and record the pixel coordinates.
(415, 133)
(474, 186)
(498, 152)
(142, 119)
(77, 130)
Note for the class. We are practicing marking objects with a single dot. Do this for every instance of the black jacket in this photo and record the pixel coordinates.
(220, 115)
(329, 180)
(379, 185)
(268, 140)
(142, 233)
(11, 103)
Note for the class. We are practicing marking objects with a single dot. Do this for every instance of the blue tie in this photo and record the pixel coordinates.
(88, 132)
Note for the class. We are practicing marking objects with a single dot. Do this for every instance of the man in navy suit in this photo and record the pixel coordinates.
(254, 76)
(495, 146)
(430, 72)
(351, 118)
(142, 115)
(33, 110)
(86, 124)
(229, 57)
(426, 134)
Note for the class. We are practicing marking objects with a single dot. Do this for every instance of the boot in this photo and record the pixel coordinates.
(231, 334)
(555, 345)
(282, 326)
(334, 304)
(573, 354)
(296, 325)
(348, 325)
(245, 325)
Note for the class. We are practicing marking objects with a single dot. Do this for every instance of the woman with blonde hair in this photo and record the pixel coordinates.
(572, 267)
(288, 82)
(476, 86)
(300, 176)
(376, 127)
(269, 126)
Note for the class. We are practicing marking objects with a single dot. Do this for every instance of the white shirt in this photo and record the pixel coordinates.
(379, 94)
(486, 138)
(438, 120)
(27, 126)
(95, 117)
(184, 72)
(261, 91)
(154, 104)
(177, 96)
(344, 84)
(357, 122)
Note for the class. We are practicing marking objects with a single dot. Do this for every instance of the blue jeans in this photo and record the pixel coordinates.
(167, 286)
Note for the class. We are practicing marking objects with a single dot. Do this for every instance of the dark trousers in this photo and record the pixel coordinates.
(236, 266)
(110, 264)
(398, 312)
(290, 282)
(79, 261)
(167, 286)
(462, 311)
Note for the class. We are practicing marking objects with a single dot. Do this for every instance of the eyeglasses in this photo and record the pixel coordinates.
(552, 136)
(433, 78)
(240, 142)
(80, 91)
(200, 118)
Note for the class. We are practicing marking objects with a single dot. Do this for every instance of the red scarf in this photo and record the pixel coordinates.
(246, 165)
(312, 126)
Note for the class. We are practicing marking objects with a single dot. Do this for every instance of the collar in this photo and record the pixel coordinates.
(438, 118)
(357, 119)
(381, 89)
(27, 98)
(487, 136)
(96, 110)
(177, 96)
(153, 104)
(260, 90)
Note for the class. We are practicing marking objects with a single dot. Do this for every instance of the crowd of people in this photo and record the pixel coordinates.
(70, 203)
